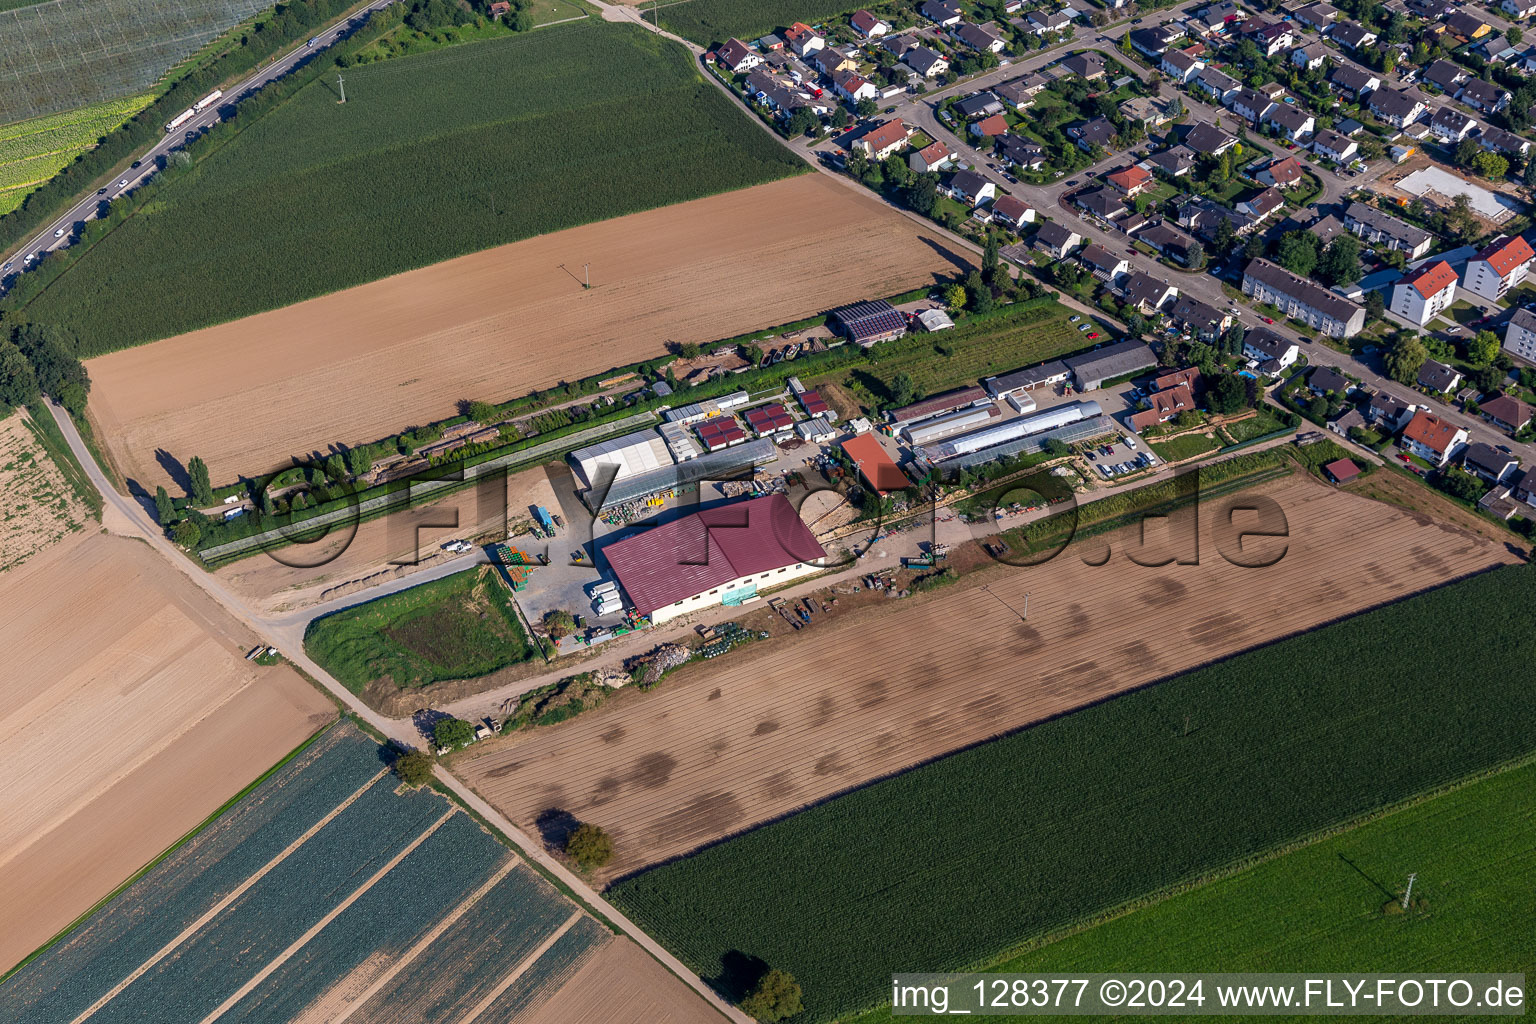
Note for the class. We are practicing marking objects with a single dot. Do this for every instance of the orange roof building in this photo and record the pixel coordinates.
(1499, 266)
(1432, 438)
(877, 468)
(1425, 293)
(1131, 180)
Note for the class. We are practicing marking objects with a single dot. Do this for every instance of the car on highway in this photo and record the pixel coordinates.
(135, 163)
(59, 233)
(101, 191)
(123, 183)
(6, 267)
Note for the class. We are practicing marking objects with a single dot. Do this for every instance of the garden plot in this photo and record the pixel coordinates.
(39, 508)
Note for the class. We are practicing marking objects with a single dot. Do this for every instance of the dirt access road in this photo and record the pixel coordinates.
(130, 716)
(373, 360)
(734, 742)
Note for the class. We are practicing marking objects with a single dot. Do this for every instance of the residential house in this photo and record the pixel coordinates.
(1188, 376)
(898, 46)
(1497, 267)
(1103, 264)
(1438, 377)
(1520, 336)
(1260, 206)
(1488, 462)
(971, 188)
(1088, 134)
(1290, 121)
(853, 87)
(925, 62)
(1310, 56)
(1484, 96)
(1013, 212)
(1305, 300)
(1450, 125)
(1330, 145)
(1272, 38)
(829, 61)
(1269, 350)
(1147, 293)
(1018, 94)
(1045, 22)
(1213, 20)
(1282, 173)
(1497, 140)
(1431, 10)
(1389, 412)
(867, 25)
(1056, 240)
(1518, 8)
(983, 104)
(1525, 487)
(1148, 110)
(1352, 35)
(1250, 104)
(1466, 25)
(737, 57)
(1162, 406)
(1208, 140)
(1132, 222)
(803, 39)
(1397, 108)
(1327, 228)
(774, 93)
(945, 14)
(499, 8)
(1180, 66)
(1425, 293)
(978, 37)
(1348, 419)
(1101, 203)
(1199, 318)
(1216, 83)
(1352, 82)
(1506, 413)
(1445, 76)
(1132, 180)
(1432, 438)
(883, 140)
(1168, 241)
(930, 158)
(1087, 65)
(1175, 162)
(1153, 41)
(1204, 216)
(995, 125)
(1318, 16)
(1378, 228)
(1021, 152)
(1325, 379)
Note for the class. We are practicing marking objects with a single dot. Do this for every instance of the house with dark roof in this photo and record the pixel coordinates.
(1290, 121)
(1399, 108)
(1180, 66)
(1175, 161)
(1331, 145)
(1103, 264)
(1305, 300)
(1484, 96)
(978, 37)
(1250, 104)
(1199, 318)
(1013, 212)
(1262, 345)
(983, 104)
(1018, 94)
(1389, 412)
(1204, 216)
(1021, 152)
(737, 56)
(1042, 22)
(1488, 462)
(1352, 35)
(1466, 25)
(1324, 379)
(1445, 76)
(1318, 16)
(926, 62)
(1450, 125)
(1497, 140)
(1438, 377)
(1506, 413)
(945, 14)
(1352, 82)
(1167, 240)
(1102, 203)
(1147, 293)
(1260, 206)
(1056, 240)
(971, 188)
(1216, 83)
(1378, 228)
(1153, 40)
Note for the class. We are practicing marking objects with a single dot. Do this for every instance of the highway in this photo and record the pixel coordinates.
(87, 207)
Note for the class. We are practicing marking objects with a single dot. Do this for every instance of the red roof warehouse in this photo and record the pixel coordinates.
(688, 563)
(878, 469)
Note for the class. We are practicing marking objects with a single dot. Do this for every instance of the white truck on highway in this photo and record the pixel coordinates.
(180, 119)
(207, 101)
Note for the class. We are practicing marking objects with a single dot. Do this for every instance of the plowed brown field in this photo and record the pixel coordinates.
(727, 744)
(370, 361)
(127, 716)
(622, 985)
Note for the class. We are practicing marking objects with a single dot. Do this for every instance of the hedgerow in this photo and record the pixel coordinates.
(522, 136)
(956, 862)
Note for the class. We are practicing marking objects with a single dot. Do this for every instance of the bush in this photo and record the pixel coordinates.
(453, 733)
(776, 996)
(589, 846)
(415, 767)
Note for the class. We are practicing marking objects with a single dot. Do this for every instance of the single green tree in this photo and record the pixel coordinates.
(903, 390)
(955, 298)
(1405, 357)
(453, 733)
(776, 996)
(18, 381)
(589, 846)
(359, 460)
(164, 510)
(559, 623)
(1483, 349)
(186, 533)
(483, 413)
(414, 767)
(202, 489)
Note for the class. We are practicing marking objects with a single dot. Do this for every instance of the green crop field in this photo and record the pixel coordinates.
(431, 157)
(958, 862)
(61, 56)
(1185, 446)
(708, 22)
(458, 627)
(32, 151)
(1013, 337)
(1321, 907)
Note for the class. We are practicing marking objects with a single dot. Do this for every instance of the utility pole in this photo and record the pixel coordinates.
(586, 273)
(341, 84)
(1409, 893)
(1026, 604)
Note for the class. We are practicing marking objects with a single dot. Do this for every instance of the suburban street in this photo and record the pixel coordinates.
(88, 206)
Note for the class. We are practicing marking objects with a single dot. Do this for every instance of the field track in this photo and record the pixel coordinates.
(724, 745)
(370, 361)
(129, 717)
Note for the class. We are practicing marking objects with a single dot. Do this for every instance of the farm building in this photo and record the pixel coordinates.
(710, 407)
(817, 430)
(1341, 471)
(721, 433)
(814, 405)
(679, 442)
(877, 468)
(866, 323)
(949, 401)
(719, 556)
(920, 432)
(769, 419)
(630, 454)
(1044, 375)
(1092, 369)
(1022, 435)
(736, 462)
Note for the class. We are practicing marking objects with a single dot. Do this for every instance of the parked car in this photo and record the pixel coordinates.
(1266, 319)
(1092, 335)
